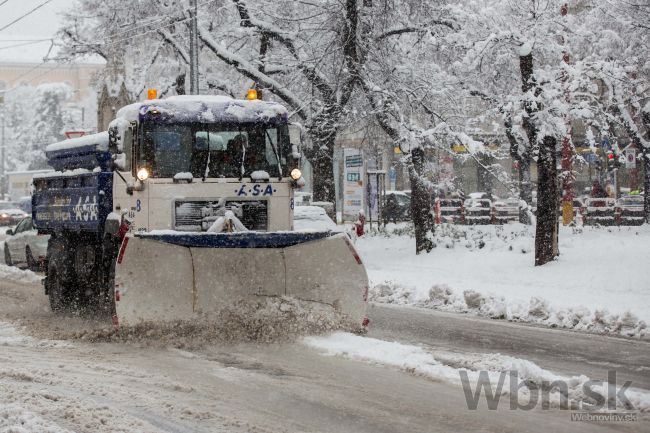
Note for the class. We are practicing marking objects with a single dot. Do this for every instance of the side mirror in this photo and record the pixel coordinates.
(296, 132)
(134, 186)
(295, 152)
(9, 232)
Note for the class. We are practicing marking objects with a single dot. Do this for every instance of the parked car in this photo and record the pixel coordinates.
(506, 211)
(600, 211)
(629, 211)
(10, 214)
(396, 207)
(302, 198)
(310, 218)
(24, 246)
(452, 210)
(478, 211)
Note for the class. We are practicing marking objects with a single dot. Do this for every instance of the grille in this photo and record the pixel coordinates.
(194, 216)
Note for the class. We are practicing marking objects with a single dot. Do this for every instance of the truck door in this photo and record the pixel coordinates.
(129, 198)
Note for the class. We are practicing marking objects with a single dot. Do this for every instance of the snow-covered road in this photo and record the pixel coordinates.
(295, 386)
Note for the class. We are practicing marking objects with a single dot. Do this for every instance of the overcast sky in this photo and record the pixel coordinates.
(41, 24)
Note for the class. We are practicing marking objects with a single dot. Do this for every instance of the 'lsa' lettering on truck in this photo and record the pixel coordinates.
(255, 190)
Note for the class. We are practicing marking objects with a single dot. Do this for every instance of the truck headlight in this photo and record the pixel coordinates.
(296, 174)
(143, 174)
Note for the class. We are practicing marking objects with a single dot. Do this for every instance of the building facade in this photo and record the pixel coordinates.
(79, 76)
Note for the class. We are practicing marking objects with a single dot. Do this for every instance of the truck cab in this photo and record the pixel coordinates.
(183, 162)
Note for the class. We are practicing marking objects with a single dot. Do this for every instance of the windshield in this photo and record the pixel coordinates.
(205, 150)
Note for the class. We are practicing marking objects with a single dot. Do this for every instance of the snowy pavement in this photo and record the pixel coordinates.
(600, 283)
(332, 383)
(405, 375)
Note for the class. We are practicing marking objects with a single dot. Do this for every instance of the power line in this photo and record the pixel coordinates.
(103, 42)
(5, 1)
(24, 44)
(24, 15)
(23, 40)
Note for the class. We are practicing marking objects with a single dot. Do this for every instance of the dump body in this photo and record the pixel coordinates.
(77, 202)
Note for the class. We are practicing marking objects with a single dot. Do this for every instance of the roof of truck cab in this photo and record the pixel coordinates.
(205, 109)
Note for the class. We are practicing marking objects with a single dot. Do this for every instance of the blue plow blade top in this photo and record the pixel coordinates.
(237, 240)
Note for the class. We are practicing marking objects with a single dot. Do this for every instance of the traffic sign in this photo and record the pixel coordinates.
(74, 134)
(630, 158)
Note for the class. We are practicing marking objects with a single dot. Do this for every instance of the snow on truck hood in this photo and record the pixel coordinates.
(206, 109)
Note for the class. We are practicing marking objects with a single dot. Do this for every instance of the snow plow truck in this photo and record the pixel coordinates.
(182, 208)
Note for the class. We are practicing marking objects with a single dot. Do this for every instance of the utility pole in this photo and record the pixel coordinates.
(194, 49)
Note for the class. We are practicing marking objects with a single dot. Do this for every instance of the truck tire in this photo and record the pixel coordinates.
(59, 284)
(56, 290)
(106, 276)
(7, 256)
(93, 272)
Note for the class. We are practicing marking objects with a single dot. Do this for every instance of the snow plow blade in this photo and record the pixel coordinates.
(197, 275)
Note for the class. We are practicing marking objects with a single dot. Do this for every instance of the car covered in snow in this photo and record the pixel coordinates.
(302, 198)
(452, 210)
(10, 214)
(629, 210)
(506, 211)
(25, 247)
(479, 208)
(600, 211)
(313, 218)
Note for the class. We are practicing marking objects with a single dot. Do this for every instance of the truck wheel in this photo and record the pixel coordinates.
(60, 285)
(32, 264)
(106, 276)
(56, 290)
(7, 256)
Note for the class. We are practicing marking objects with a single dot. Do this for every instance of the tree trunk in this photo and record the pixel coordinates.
(423, 220)
(527, 84)
(523, 165)
(547, 203)
(322, 160)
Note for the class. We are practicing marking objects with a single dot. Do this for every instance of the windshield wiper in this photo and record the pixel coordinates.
(207, 162)
(275, 152)
(242, 169)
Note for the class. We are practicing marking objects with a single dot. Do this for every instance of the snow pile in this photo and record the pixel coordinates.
(262, 320)
(15, 419)
(417, 360)
(10, 337)
(18, 275)
(599, 283)
(260, 176)
(536, 310)
(184, 176)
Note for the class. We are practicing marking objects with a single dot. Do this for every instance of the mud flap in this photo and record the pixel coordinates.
(187, 277)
